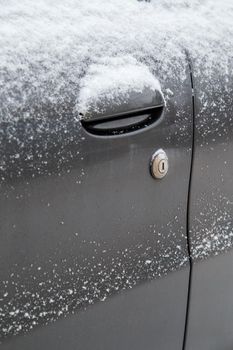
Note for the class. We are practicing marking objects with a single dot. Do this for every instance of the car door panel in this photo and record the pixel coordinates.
(211, 211)
(135, 319)
(86, 230)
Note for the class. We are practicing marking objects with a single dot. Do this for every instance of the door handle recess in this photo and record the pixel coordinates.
(138, 110)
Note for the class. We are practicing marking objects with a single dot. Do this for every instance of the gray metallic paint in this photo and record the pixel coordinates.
(210, 319)
(98, 213)
(136, 319)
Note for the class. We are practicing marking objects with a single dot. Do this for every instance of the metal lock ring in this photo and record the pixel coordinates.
(159, 164)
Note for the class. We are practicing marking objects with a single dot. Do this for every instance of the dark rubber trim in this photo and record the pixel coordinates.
(188, 203)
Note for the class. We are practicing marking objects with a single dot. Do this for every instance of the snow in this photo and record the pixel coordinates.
(111, 81)
(211, 230)
(52, 52)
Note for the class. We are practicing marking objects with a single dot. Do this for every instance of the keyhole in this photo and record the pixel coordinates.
(162, 166)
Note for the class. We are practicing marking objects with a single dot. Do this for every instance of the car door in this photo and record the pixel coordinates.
(93, 248)
(210, 313)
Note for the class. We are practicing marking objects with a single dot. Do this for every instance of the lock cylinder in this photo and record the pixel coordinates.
(159, 164)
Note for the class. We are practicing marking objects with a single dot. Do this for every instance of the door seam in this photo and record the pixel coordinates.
(188, 203)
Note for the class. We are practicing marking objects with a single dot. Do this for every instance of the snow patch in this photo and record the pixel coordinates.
(112, 80)
(54, 51)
